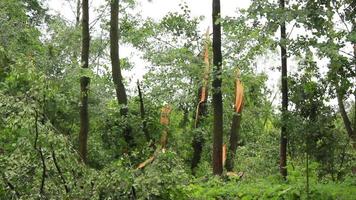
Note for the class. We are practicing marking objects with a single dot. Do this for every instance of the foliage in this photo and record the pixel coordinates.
(39, 108)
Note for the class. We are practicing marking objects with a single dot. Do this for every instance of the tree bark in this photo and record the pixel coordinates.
(116, 69)
(355, 97)
(198, 139)
(77, 17)
(164, 120)
(217, 96)
(60, 172)
(234, 138)
(143, 113)
(84, 84)
(348, 126)
(283, 140)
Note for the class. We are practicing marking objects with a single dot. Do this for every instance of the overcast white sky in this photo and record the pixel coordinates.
(156, 9)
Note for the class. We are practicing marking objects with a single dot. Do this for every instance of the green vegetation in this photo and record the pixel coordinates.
(73, 126)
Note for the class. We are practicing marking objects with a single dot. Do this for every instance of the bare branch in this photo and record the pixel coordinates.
(60, 172)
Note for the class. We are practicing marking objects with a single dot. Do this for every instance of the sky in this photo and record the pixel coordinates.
(156, 9)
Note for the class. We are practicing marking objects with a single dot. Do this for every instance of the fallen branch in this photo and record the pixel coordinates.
(60, 172)
(36, 129)
(143, 164)
(43, 170)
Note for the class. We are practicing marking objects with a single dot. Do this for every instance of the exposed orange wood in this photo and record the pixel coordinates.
(165, 111)
(204, 94)
(224, 154)
(143, 164)
(239, 93)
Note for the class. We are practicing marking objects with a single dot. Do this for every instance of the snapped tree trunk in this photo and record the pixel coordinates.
(201, 111)
(235, 125)
(216, 88)
(283, 140)
(198, 139)
(84, 84)
(164, 120)
(116, 70)
(234, 138)
(143, 113)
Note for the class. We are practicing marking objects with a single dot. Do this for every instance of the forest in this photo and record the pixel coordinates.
(259, 104)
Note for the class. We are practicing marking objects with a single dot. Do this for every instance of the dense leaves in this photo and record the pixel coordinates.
(40, 72)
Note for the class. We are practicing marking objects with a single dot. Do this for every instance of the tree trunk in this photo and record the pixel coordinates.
(283, 141)
(142, 111)
(217, 96)
(201, 111)
(198, 139)
(345, 119)
(116, 70)
(84, 84)
(235, 125)
(234, 138)
(164, 120)
(77, 17)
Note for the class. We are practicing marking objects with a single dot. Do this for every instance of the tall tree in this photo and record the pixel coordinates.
(116, 69)
(283, 140)
(84, 83)
(217, 96)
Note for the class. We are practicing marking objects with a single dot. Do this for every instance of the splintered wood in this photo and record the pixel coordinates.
(204, 87)
(239, 93)
(224, 154)
(164, 120)
(165, 111)
(143, 164)
(204, 95)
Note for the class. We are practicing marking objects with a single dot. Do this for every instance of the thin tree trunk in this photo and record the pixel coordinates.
(185, 119)
(198, 139)
(234, 138)
(164, 120)
(143, 113)
(44, 171)
(116, 70)
(84, 84)
(235, 125)
(217, 96)
(348, 126)
(354, 131)
(354, 128)
(283, 142)
(77, 17)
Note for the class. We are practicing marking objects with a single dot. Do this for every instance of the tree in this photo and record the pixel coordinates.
(143, 113)
(342, 64)
(216, 87)
(84, 84)
(116, 70)
(283, 142)
(235, 125)
(201, 110)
